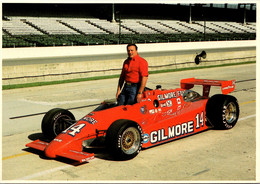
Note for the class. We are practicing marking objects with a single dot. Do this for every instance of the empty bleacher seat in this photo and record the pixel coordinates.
(16, 26)
(51, 25)
(137, 27)
(83, 26)
(77, 26)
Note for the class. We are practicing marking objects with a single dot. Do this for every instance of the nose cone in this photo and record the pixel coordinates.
(70, 140)
(59, 146)
(56, 146)
(51, 150)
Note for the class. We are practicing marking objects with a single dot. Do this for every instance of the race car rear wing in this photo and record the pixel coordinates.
(226, 86)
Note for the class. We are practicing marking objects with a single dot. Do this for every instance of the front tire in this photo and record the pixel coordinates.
(222, 111)
(55, 121)
(124, 140)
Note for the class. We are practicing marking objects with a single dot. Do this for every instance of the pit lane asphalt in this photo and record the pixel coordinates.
(209, 156)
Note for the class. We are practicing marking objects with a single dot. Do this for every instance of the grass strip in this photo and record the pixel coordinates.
(35, 84)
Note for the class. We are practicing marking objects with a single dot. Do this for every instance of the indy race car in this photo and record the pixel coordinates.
(161, 116)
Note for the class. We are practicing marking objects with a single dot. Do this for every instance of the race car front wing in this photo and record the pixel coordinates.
(78, 156)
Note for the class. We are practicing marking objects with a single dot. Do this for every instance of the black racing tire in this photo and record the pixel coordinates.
(124, 139)
(222, 111)
(55, 121)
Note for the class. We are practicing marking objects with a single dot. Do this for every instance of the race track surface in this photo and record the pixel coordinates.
(214, 155)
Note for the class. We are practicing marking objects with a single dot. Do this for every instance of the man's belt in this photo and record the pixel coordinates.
(130, 84)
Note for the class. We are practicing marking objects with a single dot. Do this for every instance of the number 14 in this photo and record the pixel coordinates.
(199, 120)
(74, 129)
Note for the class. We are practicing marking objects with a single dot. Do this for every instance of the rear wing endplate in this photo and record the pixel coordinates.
(227, 86)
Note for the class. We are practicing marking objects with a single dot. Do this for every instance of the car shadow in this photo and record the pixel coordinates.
(36, 136)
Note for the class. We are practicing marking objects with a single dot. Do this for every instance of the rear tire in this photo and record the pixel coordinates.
(55, 121)
(124, 140)
(222, 111)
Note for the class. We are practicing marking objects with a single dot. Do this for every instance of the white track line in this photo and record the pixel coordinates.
(46, 172)
(247, 117)
(59, 103)
(68, 166)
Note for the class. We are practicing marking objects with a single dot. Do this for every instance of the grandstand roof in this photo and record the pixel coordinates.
(210, 11)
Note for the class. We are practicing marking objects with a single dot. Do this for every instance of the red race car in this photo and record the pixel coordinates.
(161, 116)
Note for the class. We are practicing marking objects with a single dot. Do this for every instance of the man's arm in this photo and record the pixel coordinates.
(141, 89)
(119, 87)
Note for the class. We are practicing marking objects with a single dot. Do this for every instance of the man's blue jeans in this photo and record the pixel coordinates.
(128, 94)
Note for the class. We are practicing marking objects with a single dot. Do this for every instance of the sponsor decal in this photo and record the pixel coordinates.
(163, 104)
(57, 140)
(91, 114)
(211, 81)
(175, 131)
(143, 109)
(89, 120)
(143, 122)
(80, 152)
(228, 87)
(43, 143)
(87, 159)
(170, 112)
(170, 95)
(171, 132)
(178, 101)
(169, 103)
(166, 96)
(153, 111)
(146, 138)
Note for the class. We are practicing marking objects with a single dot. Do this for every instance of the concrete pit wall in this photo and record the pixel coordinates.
(160, 56)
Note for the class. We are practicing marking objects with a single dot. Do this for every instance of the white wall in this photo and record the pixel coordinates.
(38, 52)
(54, 71)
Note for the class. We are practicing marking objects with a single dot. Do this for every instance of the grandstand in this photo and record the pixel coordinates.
(28, 30)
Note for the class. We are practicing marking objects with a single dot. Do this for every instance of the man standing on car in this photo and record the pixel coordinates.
(134, 74)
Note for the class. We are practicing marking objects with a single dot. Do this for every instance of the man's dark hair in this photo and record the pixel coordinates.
(131, 44)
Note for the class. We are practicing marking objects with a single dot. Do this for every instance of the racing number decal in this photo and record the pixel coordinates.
(74, 129)
(199, 120)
